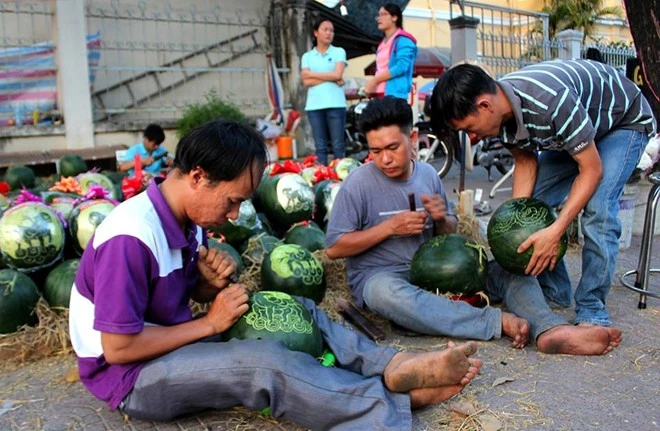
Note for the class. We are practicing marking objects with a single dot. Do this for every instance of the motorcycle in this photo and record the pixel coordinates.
(355, 141)
(444, 151)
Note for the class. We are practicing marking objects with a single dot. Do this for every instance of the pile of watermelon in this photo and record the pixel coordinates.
(45, 224)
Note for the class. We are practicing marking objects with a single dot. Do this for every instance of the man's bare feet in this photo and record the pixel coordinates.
(452, 366)
(516, 328)
(579, 340)
(423, 397)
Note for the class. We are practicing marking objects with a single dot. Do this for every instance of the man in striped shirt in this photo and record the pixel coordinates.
(577, 129)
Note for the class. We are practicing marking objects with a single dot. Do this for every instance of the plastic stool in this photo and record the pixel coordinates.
(643, 267)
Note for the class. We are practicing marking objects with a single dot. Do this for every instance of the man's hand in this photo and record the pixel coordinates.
(215, 266)
(227, 307)
(147, 161)
(546, 245)
(435, 206)
(407, 223)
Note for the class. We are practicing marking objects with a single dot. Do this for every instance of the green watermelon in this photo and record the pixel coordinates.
(293, 269)
(89, 179)
(344, 166)
(450, 264)
(285, 199)
(223, 246)
(63, 202)
(18, 301)
(325, 193)
(31, 236)
(278, 316)
(306, 235)
(71, 165)
(84, 219)
(511, 224)
(57, 288)
(236, 232)
(19, 176)
(259, 245)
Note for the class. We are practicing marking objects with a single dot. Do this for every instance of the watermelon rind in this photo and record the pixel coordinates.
(71, 165)
(19, 176)
(18, 300)
(285, 199)
(57, 287)
(450, 264)
(306, 235)
(85, 218)
(293, 269)
(278, 316)
(511, 224)
(31, 236)
(89, 179)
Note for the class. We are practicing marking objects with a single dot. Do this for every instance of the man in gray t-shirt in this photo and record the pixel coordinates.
(374, 228)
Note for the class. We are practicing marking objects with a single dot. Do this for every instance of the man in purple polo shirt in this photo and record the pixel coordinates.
(140, 350)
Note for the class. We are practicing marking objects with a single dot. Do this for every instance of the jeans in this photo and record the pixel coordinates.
(328, 123)
(620, 151)
(265, 373)
(391, 295)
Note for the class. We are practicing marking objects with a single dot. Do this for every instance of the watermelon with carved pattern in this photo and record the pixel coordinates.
(293, 269)
(278, 316)
(512, 223)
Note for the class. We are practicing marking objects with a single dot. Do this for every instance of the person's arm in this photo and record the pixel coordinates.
(524, 174)
(546, 241)
(406, 52)
(154, 341)
(215, 269)
(130, 164)
(359, 241)
(444, 222)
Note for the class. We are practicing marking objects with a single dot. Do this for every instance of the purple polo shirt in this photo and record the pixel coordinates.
(139, 268)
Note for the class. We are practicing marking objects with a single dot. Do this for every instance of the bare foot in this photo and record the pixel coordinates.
(452, 366)
(422, 397)
(516, 328)
(579, 340)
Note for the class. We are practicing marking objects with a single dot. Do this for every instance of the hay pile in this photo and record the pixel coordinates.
(49, 337)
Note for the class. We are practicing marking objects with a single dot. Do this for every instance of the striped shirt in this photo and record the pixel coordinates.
(563, 105)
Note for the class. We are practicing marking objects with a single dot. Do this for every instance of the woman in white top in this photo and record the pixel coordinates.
(322, 70)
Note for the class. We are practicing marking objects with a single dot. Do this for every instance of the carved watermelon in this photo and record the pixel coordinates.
(84, 219)
(293, 269)
(285, 199)
(89, 179)
(278, 316)
(511, 224)
(31, 236)
(325, 193)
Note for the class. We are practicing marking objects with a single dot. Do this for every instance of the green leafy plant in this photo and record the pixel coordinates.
(211, 109)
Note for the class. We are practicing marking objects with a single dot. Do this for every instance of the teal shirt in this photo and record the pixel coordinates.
(153, 168)
(328, 94)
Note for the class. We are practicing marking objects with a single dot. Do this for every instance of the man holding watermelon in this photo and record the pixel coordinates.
(372, 226)
(577, 129)
(141, 351)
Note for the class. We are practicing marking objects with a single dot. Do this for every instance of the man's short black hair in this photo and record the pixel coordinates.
(223, 149)
(154, 133)
(384, 112)
(454, 96)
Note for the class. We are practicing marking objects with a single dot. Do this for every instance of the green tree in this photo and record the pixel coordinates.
(577, 15)
(212, 108)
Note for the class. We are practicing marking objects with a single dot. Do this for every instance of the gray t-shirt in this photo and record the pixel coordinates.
(367, 197)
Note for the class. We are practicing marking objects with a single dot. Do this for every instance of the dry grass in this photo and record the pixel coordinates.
(48, 338)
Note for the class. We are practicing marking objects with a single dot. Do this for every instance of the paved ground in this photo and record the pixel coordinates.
(517, 390)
